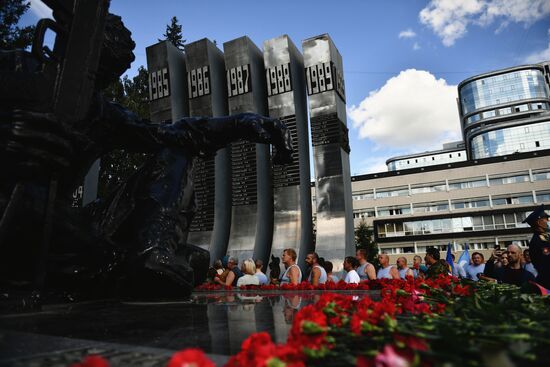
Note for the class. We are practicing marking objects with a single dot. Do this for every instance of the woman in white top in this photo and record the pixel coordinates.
(386, 270)
(293, 273)
(350, 264)
(249, 270)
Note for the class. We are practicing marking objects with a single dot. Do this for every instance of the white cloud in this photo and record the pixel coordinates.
(373, 164)
(416, 46)
(450, 19)
(518, 11)
(412, 111)
(409, 33)
(543, 55)
(40, 10)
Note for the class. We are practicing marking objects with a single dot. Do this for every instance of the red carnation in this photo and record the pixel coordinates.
(191, 357)
(92, 361)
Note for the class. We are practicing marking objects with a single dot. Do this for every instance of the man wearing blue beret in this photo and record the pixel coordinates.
(539, 246)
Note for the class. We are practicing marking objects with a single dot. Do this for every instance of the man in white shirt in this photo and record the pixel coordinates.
(477, 266)
(350, 264)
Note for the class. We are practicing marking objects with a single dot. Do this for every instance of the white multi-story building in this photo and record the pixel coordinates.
(475, 192)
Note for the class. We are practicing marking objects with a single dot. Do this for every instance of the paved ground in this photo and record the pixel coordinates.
(146, 334)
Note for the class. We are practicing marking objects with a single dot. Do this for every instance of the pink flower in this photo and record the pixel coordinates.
(389, 358)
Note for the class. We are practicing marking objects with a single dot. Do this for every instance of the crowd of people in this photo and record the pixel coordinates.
(511, 265)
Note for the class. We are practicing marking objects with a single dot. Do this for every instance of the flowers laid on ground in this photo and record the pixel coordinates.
(190, 357)
(92, 361)
(304, 286)
(415, 323)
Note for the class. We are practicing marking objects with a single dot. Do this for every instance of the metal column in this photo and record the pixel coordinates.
(167, 82)
(252, 202)
(208, 97)
(329, 135)
(291, 183)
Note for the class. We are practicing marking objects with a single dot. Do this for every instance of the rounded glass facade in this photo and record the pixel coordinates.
(511, 140)
(502, 88)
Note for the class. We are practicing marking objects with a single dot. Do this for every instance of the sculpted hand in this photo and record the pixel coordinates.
(36, 141)
(269, 130)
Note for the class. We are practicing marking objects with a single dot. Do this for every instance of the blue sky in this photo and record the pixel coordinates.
(402, 58)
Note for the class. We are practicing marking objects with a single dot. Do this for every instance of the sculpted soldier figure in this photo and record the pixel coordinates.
(137, 234)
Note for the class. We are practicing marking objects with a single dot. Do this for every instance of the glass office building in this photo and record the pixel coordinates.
(475, 192)
(511, 140)
(506, 111)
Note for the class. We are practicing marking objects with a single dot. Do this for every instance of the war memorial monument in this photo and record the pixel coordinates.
(210, 187)
(118, 279)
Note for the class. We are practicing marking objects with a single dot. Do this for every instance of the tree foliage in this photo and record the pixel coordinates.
(137, 93)
(118, 165)
(364, 240)
(11, 35)
(174, 34)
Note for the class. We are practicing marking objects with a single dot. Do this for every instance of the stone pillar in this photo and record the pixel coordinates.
(207, 93)
(291, 183)
(252, 197)
(167, 82)
(329, 135)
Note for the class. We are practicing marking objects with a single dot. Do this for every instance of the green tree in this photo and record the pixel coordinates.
(115, 92)
(364, 240)
(136, 91)
(12, 36)
(119, 164)
(174, 34)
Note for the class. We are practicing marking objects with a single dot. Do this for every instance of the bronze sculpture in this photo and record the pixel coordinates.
(135, 237)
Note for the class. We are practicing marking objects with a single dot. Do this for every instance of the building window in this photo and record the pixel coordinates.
(497, 89)
(364, 214)
(504, 180)
(430, 207)
(470, 203)
(521, 108)
(468, 184)
(473, 118)
(505, 111)
(385, 211)
(431, 187)
(543, 197)
(452, 225)
(488, 114)
(541, 175)
(523, 198)
(507, 140)
(364, 195)
(396, 191)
